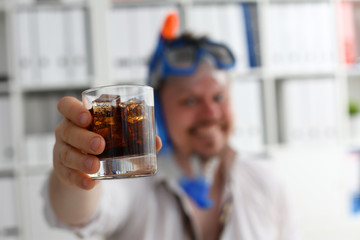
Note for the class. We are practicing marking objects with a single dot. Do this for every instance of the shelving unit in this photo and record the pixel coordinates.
(108, 25)
(4, 89)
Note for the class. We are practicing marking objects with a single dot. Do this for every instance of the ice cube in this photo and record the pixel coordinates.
(135, 110)
(103, 110)
(107, 99)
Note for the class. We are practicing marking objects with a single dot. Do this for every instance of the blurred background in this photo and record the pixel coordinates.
(296, 92)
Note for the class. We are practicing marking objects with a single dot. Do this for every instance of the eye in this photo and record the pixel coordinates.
(189, 101)
(219, 97)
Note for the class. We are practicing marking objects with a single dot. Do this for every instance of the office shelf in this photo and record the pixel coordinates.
(104, 47)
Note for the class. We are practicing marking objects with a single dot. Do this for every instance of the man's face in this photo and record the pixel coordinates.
(197, 112)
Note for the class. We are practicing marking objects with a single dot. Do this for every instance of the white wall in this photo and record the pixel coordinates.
(320, 182)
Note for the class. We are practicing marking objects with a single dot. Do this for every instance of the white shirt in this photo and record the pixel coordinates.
(156, 208)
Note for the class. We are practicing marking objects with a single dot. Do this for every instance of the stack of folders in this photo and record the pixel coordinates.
(349, 28)
(248, 135)
(308, 111)
(42, 119)
(357, 28)
(134, 32)
(52, 46)
(8, 223)
(236, 25)
(39, 148)
(301, 37)
(233, 24)
(3, 48)
(6, 149)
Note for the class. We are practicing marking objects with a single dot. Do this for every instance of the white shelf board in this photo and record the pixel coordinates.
(124, 3)
(252, 72)
(52, 87)
(224, 1)
(299, 1)
(6, 169)
(303, 74)
(49, 4)
(140, 81)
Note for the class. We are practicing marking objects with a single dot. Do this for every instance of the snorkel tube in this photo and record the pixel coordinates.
(168, 32)
(198, 186)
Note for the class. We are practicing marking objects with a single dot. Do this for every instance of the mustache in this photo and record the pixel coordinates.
(206, 123)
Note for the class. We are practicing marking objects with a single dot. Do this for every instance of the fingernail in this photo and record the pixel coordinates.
(89, 163)
(95, 143)
(83, 119)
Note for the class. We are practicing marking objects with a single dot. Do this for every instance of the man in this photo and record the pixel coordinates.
(203, 188)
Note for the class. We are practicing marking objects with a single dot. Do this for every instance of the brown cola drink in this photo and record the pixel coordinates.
(128, 129)
(125, 126)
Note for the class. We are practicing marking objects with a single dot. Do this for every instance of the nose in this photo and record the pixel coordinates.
(210, 110)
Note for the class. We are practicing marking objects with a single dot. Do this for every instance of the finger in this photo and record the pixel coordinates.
(83, 139)
(72, 109)
(158, 143)
(72, 177)
(74, 159)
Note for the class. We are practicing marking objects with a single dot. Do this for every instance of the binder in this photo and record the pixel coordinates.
(234, 35)
(51, 40)
(36, 114)
(252, 34)
(120, 43)
(223, 23)
(148, 22)
(309, 111)
(3, 136)
(141, 19)
(26, 40)
(132, 44)
(7, 206)
(301, 37)
(346, 25)
(6, 148)
(357, 29)
(254, 17)
(3, 46)
(78, 57)
(39, 147)
(42, 119)
(248, 117)
(294, 103)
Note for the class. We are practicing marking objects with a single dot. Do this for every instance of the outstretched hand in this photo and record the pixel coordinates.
(75, 147)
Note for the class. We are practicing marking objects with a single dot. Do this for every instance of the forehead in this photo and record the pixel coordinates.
(205, 78)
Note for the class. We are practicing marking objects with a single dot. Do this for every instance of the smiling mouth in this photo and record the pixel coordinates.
(206, 130)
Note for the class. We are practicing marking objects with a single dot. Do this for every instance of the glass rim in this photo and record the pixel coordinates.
(91, 90)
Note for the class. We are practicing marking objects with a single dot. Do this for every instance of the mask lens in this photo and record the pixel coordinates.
(181, 57)
(221, 53)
